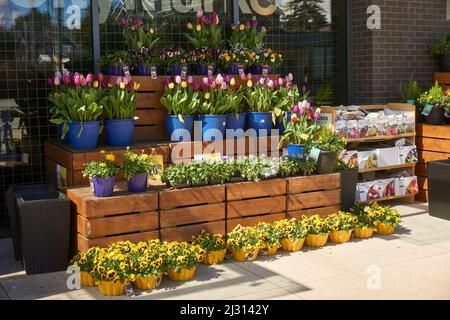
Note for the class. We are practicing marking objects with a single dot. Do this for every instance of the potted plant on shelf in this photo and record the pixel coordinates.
(410, 91)
(214, 246)
(293, 234)
(341, 226)
(213, 108)
(287, 95)
(366, 223)
(136, 168)
(331, 145)
(147, 265)
(182, 259)
(86, 262)
(234, 97)
(119, 112)
(244, 243)
(205, 32)
(174, 59)
(136, 35)
(60, 84)
(247, 35)
(181, 100)
(435, 102)
(146, 62)
(442, 49)
(102, 174)
(324, 95)
(268, 60)
(176, 176)
(270, 238)
(301, 129)
(318, 231)
(115, 63)
(230, 60)
(386, 218)
(204, 60)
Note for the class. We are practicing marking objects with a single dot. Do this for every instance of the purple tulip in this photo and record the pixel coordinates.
(58, 75)
(66, 79)
(56, 81)
(123, 22)
(196, 85)
(89, 78)
(50, 82)
(227, 78)
(224, 85)
(166, 81)
(248, 24)
(254, 22)
(304, 88)
(137, 22)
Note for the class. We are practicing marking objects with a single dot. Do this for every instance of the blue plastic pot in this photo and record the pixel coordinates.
(119, 133)
(258, 69)
(103, 187)
(175, 70)
(213, 126)
(295, 150)
(144, 69)
(280, 124)
(261, 122)
(177, 130)
(59, 129)
(138, 183)
(236, 121)
(202, 70)
(234, 69)
(114, 70)
(84, 135)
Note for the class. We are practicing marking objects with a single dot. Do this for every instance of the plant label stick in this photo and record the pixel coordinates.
(265, 70)
(153, 72)
(241, 70)
(184, 72)
(210, 71)
(126, 71)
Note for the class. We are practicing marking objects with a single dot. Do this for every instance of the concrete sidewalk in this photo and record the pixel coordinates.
(412, 264)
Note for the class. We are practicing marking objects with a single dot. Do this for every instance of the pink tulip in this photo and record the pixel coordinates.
(219, 79)
(270, 84)
(199, 13)
(123, 22)
(224, 85)
(190, 79)
(66, 79)
(118, 80)
(290, 77)
(56, 81)
(126, 80)
(227, 78)
(82, 80)
(280, 81)
(76, 79)
(89, 78)
(178, 79)
(295, 108)
(275, 83)
(58, 75)
(100, 76)
(261, 81)
(196, 85)
(316, 116)
(301, 111)
(50, 82)
(205, 81)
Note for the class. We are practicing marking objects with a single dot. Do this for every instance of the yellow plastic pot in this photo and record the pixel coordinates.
(184, 274)
(214, 257)
(110, 288)
(244, 255)
(316, 240)
(148, 283)
(363, 233)
(384, 228)
(86, 279)
(268, 251)
(292, 245)
(340, 236)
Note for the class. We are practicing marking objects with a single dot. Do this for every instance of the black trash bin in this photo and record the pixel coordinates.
(349, 179)
(11, 195)
(438, 188)
(44, 227)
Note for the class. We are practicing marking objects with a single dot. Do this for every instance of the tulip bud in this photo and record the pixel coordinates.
(89, 78)
(178, 79)
(190, 79)
(205, 81)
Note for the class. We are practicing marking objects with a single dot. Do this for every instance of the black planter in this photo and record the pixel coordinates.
(12, 194)
(45, 231)
(438, 186)
(444, 63)
(349, 179)
(326, 162)
(436, 116)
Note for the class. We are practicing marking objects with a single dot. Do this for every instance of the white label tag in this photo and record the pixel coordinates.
(153, 72)
(184, 72)
(210, 71)
(265, 70)
(315, 152)
(126, 71)
(241, 70)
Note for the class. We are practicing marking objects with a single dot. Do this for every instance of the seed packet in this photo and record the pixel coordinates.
(363, 128)
(392, 125)
(350, 158)
(368, 190)
(406, 185)
(368, 159)
(341, 128)
(382, 128)
(352, 129)
(401, 123)
(372, 127)
(388, 157)
(387, 187)
(408, 154)
(409, 123)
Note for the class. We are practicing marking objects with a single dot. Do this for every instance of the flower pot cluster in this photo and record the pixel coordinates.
(83, 105)
(221, 103)
(436, 105)
(206, 53)
(442, 50)
(136, 168)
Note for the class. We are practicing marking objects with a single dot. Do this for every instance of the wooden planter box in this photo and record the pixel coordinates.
(61, 159)
(186, 212)
(311, 195)
(124, 216)
(251, 202)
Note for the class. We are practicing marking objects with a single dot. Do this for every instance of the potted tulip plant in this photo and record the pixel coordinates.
(287, 94)
(234, 97)
(119, 110)
(270, 238)
(182, 259)
(136, 168)
(341, 226)
(442, 49)
(147, 265)
(102, 174)
(60, 84)
(181, 100)
(244, 243)
(366, 221)
(331, 145)
(435, 103)
(86, 262)
(214, 246)
(301, 129)
(293, 234)
(136, 35)
(318, 231)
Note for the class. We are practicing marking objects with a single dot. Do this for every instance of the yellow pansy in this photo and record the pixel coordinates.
(110, 157)
(103, 165)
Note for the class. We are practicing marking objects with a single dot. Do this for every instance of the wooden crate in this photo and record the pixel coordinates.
(124, 216)
(59, 155)
(433, 143)
(443, 78)
(251, 202)
(186, 212)
(311, 195)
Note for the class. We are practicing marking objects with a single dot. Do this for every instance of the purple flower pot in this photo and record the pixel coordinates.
(234, 68)
(138, 182)
(258, 69)
(114, 70)
(144, 69)
(103, 187)
(175, 70)
(202, 70)
(119, 133)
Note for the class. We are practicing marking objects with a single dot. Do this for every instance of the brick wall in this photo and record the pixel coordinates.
(383, 58)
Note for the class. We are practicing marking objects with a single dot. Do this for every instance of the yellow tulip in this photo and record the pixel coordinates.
(184, 84)
(207, 95)
(232, 82)
(249, 83)
(241, 27)
(95, 84)
(122, 85)
(198, 27)
(136, 85)
(189, 26)
(171, 85)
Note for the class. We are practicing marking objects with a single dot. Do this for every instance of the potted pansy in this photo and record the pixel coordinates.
(181, 100)
(331, 145)
(214, 246)
(102, 174)
(293, 234)
(341, 225)
(268, 59)
(387, 219)
(204, 60)
(119, 112)
(146, 62)
(270, 237)
(244, 243)
(86, 262)
(115, 63)
(182, 259)
(436, 104)
(302, 128)
(136, 168)
(174, 59)
(366, 221)
(147, 265)
(318, 230)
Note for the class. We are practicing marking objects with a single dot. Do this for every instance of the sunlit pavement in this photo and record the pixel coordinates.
(412, 264)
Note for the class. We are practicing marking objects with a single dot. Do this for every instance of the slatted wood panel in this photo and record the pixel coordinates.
(433, 143)
(184, 233)
(443, 78)
(254, 220)
(84, 243)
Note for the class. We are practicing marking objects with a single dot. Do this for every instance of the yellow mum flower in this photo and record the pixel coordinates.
(110, 157)
(102, 151)
(144, 156)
